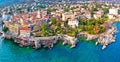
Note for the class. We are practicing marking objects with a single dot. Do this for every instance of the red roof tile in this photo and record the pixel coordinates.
(25, 28)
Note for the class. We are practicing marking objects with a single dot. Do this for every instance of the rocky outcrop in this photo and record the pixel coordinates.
(68, 40)
(107, 37)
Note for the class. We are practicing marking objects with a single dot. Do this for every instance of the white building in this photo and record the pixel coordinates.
(6, 17)
(73, 23)
(113, 11)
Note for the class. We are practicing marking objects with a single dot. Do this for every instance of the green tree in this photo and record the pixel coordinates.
(105, 10)
(82, 27)
(49, 10)
(66, 9)
(53, 20)
(119, 11)
(5, 29)
(102, 29)
(98, 5)
(45, 30)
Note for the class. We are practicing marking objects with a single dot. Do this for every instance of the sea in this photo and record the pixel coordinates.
(85, 51)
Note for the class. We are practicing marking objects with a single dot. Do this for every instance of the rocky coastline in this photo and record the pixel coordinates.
(37, 42)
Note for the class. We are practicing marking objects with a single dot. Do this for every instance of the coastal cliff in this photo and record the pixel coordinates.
(37, 42)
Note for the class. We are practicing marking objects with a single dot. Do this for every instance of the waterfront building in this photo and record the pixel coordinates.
(13, 28)
(25, 32)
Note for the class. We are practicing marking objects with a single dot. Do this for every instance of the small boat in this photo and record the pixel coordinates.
(103, 47)
(96, 43)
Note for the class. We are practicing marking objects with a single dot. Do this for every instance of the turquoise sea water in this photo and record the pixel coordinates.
(86, 51)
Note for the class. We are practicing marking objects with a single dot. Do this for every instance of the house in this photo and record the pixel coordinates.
(98, 14)
(87, 14)
(77, 14)
(13, 28)
(106, 25)
(36, 27)
(25, 31)
(111, 16)
(54, 14)
(59, 14)
(41, 13)
(113, 11)
(73, 23)
(67, 15)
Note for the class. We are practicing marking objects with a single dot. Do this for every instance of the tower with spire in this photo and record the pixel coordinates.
(38, 14)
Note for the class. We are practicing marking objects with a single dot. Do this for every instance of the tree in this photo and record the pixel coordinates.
(53, 20)
(96, 29)
(58, 25)
(119, 11)
(72, 8)
(49, 10)
(45, 30)
(89, 27)
(105, 10)
(5, 29)
(19, 10)
(66, 9)
(82, 27)
(98, 5)
(72, 32)
(60, 31)
(102, 29)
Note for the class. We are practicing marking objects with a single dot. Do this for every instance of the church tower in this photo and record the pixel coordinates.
(21, 21)
(38, 14)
